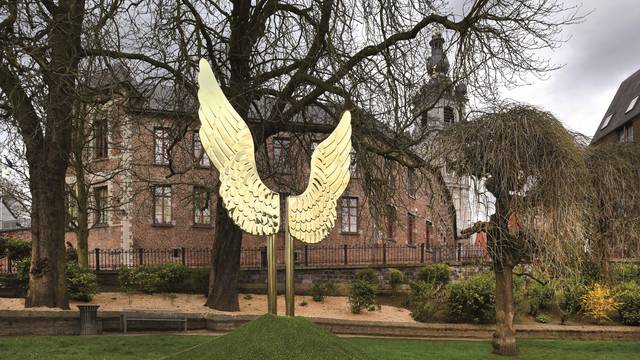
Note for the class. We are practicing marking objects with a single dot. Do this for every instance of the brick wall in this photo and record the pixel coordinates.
(131, 225)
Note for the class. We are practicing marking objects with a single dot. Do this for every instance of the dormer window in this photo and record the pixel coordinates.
(632, 104)
(606, 121)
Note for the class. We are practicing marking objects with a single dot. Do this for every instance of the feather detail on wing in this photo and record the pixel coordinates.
(227, 140)
(312, 214)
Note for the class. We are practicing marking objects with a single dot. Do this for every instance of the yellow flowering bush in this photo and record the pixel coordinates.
(598, 302)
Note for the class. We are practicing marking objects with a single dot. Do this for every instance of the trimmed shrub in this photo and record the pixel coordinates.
(396, 278)
(438, 274)
(81, 283)
(154, 278)
(598, 302)
(473, 300)
(629, 299)
(322, 288)
(425, 300)
(361, 295)
(369, 275)
(541, 297)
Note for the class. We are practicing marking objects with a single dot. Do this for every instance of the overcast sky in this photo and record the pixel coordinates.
(598, 55)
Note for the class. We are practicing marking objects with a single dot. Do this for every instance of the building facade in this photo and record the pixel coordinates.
(151, 191)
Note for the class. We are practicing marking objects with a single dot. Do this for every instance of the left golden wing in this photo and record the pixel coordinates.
(312, 214)
(227, 140)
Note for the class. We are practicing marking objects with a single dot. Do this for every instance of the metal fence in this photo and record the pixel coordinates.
(304, 256)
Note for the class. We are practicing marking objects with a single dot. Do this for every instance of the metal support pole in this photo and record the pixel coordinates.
(289, 271)
(272, 276)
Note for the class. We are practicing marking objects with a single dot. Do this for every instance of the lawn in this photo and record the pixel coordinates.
(159, 346)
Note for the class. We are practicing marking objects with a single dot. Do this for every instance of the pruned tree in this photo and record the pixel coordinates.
(535, 170)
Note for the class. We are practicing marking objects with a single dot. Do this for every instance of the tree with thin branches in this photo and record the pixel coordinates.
(535, 170)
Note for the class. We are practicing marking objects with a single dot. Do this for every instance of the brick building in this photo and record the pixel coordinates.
(621, 122)
(137, 204)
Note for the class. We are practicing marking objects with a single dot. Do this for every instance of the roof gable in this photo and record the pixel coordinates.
(628, 90)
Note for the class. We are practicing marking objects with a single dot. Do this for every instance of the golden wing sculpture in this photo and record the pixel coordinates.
(312, 214)
(227, 140)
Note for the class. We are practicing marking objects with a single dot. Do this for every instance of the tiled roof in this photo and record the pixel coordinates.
(628, 90)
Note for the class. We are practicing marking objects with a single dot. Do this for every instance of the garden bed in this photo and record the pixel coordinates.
(334, 307)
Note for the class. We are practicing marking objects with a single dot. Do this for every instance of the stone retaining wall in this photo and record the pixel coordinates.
(21, 323)
(255, 280)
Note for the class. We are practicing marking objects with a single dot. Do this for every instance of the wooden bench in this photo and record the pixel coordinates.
(151, 315)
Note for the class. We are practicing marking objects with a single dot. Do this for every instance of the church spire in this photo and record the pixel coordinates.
(437, 63)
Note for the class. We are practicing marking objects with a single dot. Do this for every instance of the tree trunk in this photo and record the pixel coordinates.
(82, 234)
(82, 202)
(504, 339)
(225, 263)
(47, 272)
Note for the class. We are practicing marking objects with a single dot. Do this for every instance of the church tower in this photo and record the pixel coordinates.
(438, 104)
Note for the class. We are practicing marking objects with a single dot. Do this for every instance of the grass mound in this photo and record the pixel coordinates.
(272, 337)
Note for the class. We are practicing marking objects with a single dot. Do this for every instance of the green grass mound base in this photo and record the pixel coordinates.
(272, 337)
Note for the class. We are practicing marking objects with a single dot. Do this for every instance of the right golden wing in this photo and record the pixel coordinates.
(312, 214)
(227, 140)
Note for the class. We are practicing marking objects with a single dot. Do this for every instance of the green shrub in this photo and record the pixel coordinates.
(541, 297)
(629, 299)
(438, 274)
(323, 288)
(421, 290)
(17, 249)
(569, 293)
(154, 278)
(361, 295)
(247, 296)
(396, 278)
(543, 318)
(81, 283)
(369, 275)
(473, 300)
(22, 270)
(626, 272)
(425, 300)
